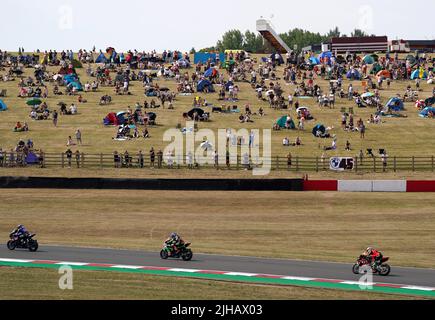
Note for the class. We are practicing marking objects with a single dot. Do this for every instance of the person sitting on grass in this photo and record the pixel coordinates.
(70, 142)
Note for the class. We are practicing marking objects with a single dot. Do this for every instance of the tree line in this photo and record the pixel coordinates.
(253, 42)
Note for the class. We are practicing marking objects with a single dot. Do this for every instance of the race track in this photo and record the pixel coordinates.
(294, 268)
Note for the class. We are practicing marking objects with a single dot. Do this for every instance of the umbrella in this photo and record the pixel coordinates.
(367, 95)
(199, 111)
(33, 102)
(206, 146)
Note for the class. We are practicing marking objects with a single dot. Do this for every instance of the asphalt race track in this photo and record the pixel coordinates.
(295, 268)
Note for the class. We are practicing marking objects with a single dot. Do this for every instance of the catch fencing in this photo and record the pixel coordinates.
(278, 163)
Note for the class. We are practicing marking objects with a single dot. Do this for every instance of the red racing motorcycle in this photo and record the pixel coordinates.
(364, 262)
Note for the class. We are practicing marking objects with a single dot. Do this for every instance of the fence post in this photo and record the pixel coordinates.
(297, 163)
(237, 158)
(101, 160)
(395, 164)
(317, 164)
(277, 163)
(63, 160)
(413, 164)
(374, 164)
(356, 165)
(82, 158)
(432, 164)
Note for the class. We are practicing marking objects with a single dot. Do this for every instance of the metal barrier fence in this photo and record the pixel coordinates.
(279, 163)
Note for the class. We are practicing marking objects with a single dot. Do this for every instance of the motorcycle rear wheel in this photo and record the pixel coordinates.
(11, 245)
(164, 255)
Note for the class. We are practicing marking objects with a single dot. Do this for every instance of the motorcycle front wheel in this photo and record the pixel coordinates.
(384, 270)
(187, 256)
(11, 245)
(164, 255)
(355, 269)
(33, 246)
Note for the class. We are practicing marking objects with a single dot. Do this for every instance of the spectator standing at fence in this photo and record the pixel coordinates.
(159, 158)
(2, 157)
(361, 156)
(140, 159)
(116, 159)
(41, 158)
(152, 157)
(289, 160)
(69, 157)
(77, 154)
(79, 136)
(384, 161)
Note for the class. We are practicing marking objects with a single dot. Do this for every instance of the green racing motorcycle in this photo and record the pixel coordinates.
(184, 252)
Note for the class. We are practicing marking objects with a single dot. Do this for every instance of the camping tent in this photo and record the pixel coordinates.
(376, 68)
(319, 130)
(426, 111)
(384, 74)
(114, 119)
(3, 106)
(202, 84)
(368, 59)
(274, 57)
(395, 104)
(353, 75)
(281, 122)
(34, 102)
(325, 54)
(101, 58)
(314, 61)
(419, 74)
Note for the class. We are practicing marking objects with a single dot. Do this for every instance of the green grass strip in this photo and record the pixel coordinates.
(223, 277)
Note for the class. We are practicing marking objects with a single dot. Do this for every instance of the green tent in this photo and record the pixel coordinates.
(376, 68)
(33, 102)
(282, 122)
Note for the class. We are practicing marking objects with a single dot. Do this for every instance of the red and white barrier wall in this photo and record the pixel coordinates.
(369, 185)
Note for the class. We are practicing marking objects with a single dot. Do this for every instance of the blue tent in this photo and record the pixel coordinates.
(204, 57)
(319, 129)
(77, 85)
(395, 104)
(3, 106)
(183, 63)
(101, 58)
(353, 75)
(325, 54)
(314, 61)
(202, 84)
(425, 112)
(416, 74)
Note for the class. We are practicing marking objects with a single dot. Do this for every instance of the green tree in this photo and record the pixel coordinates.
(359, 33)
(232, 40)
(334, 33)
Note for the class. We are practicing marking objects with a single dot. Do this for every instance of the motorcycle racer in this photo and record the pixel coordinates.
(175, 241)
(21, 233)
(374, 255)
